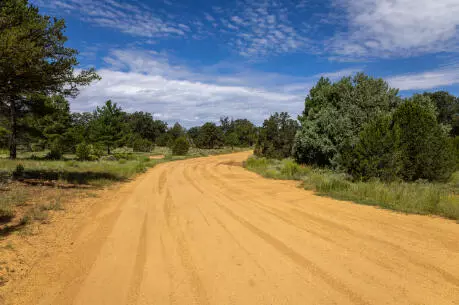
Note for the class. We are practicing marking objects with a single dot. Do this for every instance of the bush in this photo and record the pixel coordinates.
(426, 151)
(19, 171)
(276, 136)
(180, 147)
(142, 145)
(84, 152)
(123, 153)
(335, 114)
(377, 154)
(56, 151)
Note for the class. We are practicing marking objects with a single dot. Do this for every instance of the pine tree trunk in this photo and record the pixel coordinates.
(13, 126)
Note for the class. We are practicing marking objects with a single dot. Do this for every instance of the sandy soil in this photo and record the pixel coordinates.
(206, 231)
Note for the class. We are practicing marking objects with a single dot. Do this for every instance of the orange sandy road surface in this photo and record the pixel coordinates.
(206, 231)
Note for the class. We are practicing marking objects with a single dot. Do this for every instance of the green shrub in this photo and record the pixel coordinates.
(142, 145)
(84, 151)
(426, 151)
(180, 147)
(123, 153)
(276, 136)
(377, 153)
(19, 171)
(56, 152)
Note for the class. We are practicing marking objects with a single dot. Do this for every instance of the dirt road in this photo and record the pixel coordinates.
(206, 231)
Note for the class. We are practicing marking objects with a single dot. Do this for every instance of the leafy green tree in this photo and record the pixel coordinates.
(447, 107)
(210, 136)
(180, 147)
(276, 136)
(426, 151)
(143, 124)
(109, 125)
(193, 134)
(246, 132)
(335, 114)
(80, 127)
(176, 131)
(232, 139)
(33, 60)
(55, 125)
(377, 153)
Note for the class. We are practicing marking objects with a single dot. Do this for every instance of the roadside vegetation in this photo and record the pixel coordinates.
(421, 197)
(358, 140)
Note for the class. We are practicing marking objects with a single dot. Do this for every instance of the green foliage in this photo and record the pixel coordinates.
(109, 125)
(447, 107)
(242, 129)
(84, 152)
(426, 151)
(142, 145)
(232, 139)
(276, 136)
(33, 60)
(335, 114)
(123, 153)
(180, 147)
(210, 136)
(377, 153)
(144, 126)
(408, 197)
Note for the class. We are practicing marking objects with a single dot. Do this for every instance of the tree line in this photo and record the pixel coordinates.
(92, 134)
(360, 125)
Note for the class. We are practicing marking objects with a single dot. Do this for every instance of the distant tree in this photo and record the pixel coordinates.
(210, 136)
(143, 124)
(109, 125)
(246, 132)
(55, 125)
(80, 127)
(33, 60)
(180, 146)
(232, 139)
(193, 134)
(277, 136)
(176, 131)
(335, 114)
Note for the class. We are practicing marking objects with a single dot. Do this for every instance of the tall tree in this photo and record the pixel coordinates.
(143, 124)
(335, 114)
(109, 125)
(33, 60)
(276, 136)
(210, 136)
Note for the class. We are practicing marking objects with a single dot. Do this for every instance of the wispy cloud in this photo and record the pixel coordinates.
(396, 28)
(262, 28)
(435, 79)
(134, 19)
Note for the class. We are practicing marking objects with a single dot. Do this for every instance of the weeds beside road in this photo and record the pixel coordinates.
(419, 197)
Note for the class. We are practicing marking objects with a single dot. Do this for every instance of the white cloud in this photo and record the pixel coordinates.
(435, 79)
(262, 28)
(397, 28)
(146, 81)
(134, 19)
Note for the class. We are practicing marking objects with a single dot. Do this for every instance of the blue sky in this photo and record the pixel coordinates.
(195, 61)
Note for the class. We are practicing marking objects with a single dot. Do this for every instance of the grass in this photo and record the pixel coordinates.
(418, 197)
